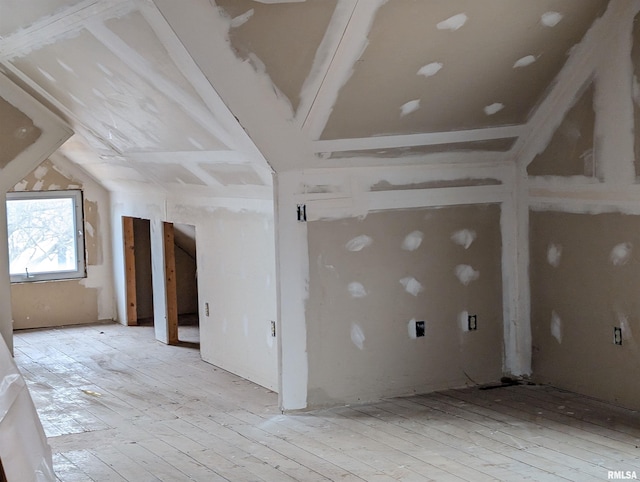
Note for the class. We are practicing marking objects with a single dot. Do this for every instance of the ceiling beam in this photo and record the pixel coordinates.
(324, 57)
(64, 22)
(413, 140)
(187, 66)
(141, 66)
(351, 46)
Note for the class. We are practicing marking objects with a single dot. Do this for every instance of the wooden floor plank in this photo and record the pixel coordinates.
(119, 406)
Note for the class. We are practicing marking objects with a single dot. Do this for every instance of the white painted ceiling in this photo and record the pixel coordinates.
(211, 97)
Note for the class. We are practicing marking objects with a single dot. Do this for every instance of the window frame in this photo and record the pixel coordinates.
(77, 196)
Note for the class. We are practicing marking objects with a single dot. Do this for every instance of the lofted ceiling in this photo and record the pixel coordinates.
(211, 96)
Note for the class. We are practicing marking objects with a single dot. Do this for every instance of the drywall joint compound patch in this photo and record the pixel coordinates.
(431, 69)
(464, 237)
(411, 285)
(412, 241)
(554, 253)
(357, 290)
(466, 274)
(453, 23)
(620, 254)
(359, 243)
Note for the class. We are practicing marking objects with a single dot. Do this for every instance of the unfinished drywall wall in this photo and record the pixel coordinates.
(445, 77)
(281, 39)
(236, 277)
(372, 279)
(88, 300)
(582, 265)
(53, 303)
(585, 273)
(235, 282)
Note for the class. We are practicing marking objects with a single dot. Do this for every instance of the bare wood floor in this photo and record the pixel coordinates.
(117, 405)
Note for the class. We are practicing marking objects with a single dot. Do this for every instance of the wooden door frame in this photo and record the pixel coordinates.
(130, 270)
(170, 283)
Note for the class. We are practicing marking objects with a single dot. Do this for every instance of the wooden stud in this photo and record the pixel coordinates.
(170, 282)
(130, 270)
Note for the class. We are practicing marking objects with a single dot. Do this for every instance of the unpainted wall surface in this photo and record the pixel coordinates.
(17, 132)
(371, 279)
(570, 151)
(284, 38)
(444, 77)
(55, 303)
(236, 277)
(585, 274)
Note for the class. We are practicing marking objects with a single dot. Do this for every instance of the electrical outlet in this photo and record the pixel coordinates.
(206, 309)
(472, 322)
(419, 328)
(273, 328)
(617, 335)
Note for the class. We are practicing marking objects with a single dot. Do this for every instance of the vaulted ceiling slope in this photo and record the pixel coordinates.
(212, 95)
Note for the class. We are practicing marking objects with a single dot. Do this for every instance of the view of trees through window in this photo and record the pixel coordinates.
(42, 236)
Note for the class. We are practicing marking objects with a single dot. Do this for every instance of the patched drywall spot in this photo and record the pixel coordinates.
(464, 237)
(551, 19)
(494, 108)
(412, 241)
(556, 327)
(466, 274)
(359, 243)
(411, 285)
(554, 253)
(21, 186)
(356, 290)
(524, 61)
(621, 254)
(409, 107)
(431, 69)
(453, 23)
(40, 171)
(93, 240)
(570, 151)
(357, 336)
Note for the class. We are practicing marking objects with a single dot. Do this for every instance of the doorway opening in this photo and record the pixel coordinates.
(137, 244)
(184, 240)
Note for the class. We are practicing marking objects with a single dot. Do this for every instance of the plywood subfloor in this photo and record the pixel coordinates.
(117, 405)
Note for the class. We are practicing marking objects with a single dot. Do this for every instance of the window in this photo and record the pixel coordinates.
(45, 235)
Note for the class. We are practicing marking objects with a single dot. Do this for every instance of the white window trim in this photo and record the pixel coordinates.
(80, 272)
